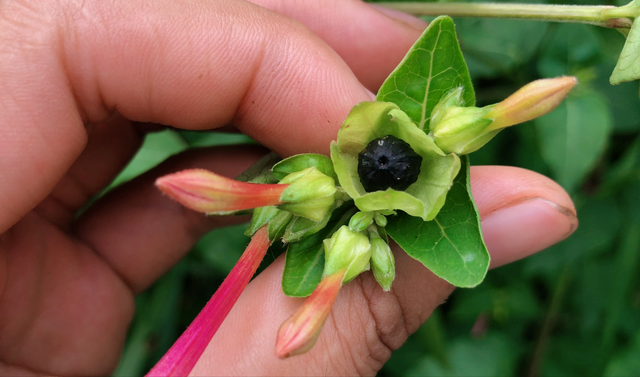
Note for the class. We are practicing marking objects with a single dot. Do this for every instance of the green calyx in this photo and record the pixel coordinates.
(462, 130)
(347, 248)
(373, 120)
(383, 263)
(276, 219)
(458, 129)
(310, 194)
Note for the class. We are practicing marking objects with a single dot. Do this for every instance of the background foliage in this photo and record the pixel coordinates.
(573, 309)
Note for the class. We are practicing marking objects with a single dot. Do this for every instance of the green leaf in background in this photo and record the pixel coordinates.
(220, 249)
(490, 51)
(304, 261)
(157, 147)
(492, 355)
(573, 136)
(433, 67)
(628, 67)
(199, 139)
(569, 47)
(626, 363)
(451, 245)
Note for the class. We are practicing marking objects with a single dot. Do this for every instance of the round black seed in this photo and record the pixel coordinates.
(388, 162)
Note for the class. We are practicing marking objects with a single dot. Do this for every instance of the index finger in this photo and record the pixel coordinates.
(193, 65)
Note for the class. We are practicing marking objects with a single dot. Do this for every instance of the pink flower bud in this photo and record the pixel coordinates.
(207, 192)
(299, 332)
(533, 100)
(183, 355)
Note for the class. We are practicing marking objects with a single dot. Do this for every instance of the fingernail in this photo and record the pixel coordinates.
(408, 19)
(524, 227)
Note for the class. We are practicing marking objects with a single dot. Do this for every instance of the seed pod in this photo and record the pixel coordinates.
(388, 162)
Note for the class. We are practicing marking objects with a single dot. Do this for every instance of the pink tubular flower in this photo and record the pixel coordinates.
(184, 354)
(533, 100)
(299, 332)
(207, 192)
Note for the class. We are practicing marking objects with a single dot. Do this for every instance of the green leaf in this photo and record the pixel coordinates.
(260, 172)
(433, 67)
(451, 245)
(625, 363)
(302, 161)
(573, 136)
(304, 261)
(490, 51)
(493, 354)
(628, 66)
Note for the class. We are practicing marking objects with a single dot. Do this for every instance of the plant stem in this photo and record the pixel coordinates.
(552, 315)
(605, 16)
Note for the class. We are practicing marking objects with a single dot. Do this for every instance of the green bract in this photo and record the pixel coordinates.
(347, 248)
(310, 193)
(371, 120)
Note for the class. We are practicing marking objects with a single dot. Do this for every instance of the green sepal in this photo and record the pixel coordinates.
(260, 217)
(310, 194)
(278, 224)
(461, 130)
(304, 261)
(302, 161)
(361, 221)
(383, 263)
(349, 249)
(380, 219)
(371, 120)
(302, 227)
(277, 220)
(453, 98)
(260, 172)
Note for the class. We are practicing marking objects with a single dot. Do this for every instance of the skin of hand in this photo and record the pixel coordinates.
(80, 83)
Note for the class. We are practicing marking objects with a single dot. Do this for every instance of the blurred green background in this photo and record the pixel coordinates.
(571, 310)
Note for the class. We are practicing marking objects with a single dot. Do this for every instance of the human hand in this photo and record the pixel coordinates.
(82, 80)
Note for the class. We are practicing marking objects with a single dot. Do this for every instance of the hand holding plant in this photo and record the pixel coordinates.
(68, 284)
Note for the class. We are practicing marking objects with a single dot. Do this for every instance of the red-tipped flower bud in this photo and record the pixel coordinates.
(299, 332)
(207, 192)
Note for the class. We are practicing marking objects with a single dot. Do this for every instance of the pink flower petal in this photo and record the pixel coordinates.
(205, 191)
(184, 354)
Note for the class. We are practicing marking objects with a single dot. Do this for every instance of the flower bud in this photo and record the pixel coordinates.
(299, 332)
(310, 193)
(207, 192)
(462, 130)
(276, 220)
(533, 100)
(361, 221)
(301, 227)
(452, 98)
(349, 249)
(380, 220)
(383, 264)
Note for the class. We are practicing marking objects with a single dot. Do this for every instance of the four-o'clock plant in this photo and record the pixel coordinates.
(398, 170)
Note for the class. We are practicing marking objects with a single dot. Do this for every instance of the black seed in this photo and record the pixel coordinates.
(388, 162)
